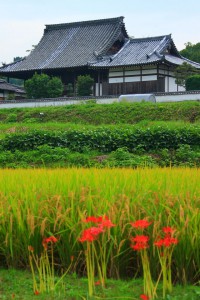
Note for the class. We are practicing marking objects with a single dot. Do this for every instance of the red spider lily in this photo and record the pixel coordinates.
(166, 242)
(95, 219)
(141, 242)
(141, 224)
(144, 297)
(140, 239)
(72, 257)
(138, 247)
(98, 282)
(36, 292)
(51, 239)
(159, 243)
(30, 248)
(168, 230)
(107, 223)
(90, 234)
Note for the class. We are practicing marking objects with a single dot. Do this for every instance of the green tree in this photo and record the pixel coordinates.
(43, 86)
(182, 72)
(193, 83)
(84, 85)
(55, 87)
(191, 51)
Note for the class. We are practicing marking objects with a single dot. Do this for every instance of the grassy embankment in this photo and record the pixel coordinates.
(116, 135)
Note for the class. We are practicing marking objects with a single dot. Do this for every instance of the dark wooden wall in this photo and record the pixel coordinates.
(142, 87)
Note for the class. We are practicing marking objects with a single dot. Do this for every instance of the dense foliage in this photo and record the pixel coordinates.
(184, 71)
(142, 142)
(43, 86)
(193, 83)
(106, 139)
(191, 51)
(112, 146)
(84, 85)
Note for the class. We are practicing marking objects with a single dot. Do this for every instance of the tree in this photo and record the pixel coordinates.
(84, 85)
(55, 87)
(43, 86)
(191, 51)
(182, 72)
(17, 58)
(193, 83)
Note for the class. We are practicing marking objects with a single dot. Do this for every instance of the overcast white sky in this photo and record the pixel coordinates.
(22, 22)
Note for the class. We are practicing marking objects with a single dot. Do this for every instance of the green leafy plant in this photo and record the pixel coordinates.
(84, 85)
(192, 83)
(43, 86)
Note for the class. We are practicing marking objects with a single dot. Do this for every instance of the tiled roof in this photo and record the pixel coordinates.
(4, 85)
(180, 60)
(87, 43)
(71, 45)
(145, 51)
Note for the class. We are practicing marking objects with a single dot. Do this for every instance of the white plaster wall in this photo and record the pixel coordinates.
(116, 80)
(113, 74)
(177, 98)
(150, 71)
(149, 77)
(172, 85)
(132, 79)
(136, 72)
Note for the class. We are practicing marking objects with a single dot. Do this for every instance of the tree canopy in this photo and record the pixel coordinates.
(84, 85)
(191, 51)
(184, 71)
(43, 86)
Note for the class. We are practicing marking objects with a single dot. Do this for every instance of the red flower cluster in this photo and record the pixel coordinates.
(168, 230)
(92, 233)
(30, 248)
(141, 242)
(144, 297)
(36, 292)
(168, 240)
(51, 239)
(141, 224)
(95, 219)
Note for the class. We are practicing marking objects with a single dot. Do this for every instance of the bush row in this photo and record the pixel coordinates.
(46, 156)
(106, 139)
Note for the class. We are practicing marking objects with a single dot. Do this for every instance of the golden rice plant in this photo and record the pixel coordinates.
(36, 203)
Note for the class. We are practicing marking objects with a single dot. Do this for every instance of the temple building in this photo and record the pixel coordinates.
(118, 63)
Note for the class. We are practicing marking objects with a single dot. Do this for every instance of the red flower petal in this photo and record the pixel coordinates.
(141, 224)
(144, 297)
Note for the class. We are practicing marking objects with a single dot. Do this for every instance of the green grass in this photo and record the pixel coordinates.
(116, 113)
(17, 284)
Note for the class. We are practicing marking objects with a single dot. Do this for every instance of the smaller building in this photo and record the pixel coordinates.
(10, 91)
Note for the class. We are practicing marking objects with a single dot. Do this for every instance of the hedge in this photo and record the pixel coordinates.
(106, 139)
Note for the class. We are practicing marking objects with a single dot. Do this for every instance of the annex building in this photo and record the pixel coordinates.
(102, 48)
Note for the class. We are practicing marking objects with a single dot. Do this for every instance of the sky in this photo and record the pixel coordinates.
(22, 22)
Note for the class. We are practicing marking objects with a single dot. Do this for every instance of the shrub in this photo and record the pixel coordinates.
(42, 86)
(193, 83)
(84, 85)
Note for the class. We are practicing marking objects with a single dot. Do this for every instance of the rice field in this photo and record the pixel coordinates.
(37, 203)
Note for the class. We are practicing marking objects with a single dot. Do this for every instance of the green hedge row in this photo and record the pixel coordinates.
(106, 139)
